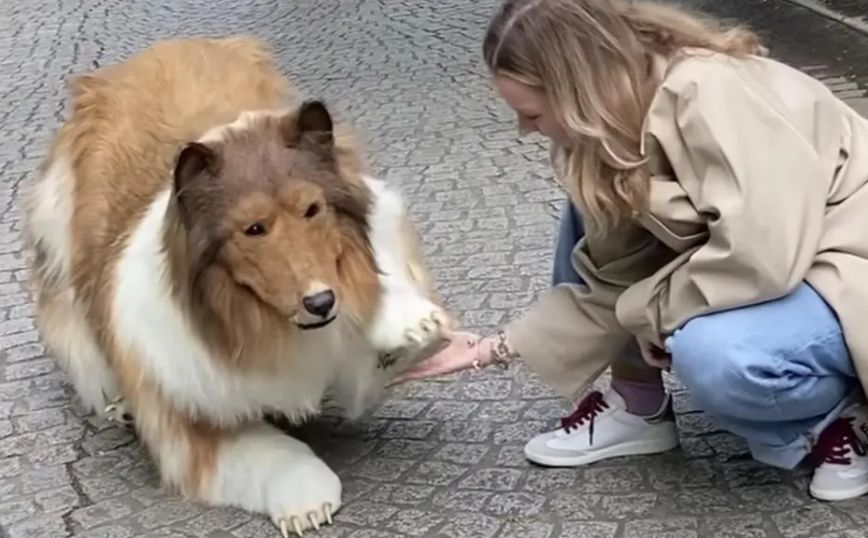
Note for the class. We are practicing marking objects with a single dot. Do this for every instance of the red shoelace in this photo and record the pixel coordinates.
(836, 442)
(591, 405)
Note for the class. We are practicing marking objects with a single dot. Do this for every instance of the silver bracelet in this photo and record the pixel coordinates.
(500, 353)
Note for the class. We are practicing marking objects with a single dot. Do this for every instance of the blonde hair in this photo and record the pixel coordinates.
(595, 61)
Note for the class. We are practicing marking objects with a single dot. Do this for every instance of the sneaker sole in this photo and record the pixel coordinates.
(634, 448)
(838, 495)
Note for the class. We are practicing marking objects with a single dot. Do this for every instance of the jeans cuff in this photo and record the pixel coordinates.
(783, 457)
(790, 455)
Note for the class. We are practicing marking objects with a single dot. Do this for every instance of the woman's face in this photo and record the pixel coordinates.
(532, 107)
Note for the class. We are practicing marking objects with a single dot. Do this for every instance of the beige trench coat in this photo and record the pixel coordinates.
(759, 182)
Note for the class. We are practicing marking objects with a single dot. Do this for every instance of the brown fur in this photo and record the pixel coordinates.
(288, 184)
(416, 269)
(128, 122)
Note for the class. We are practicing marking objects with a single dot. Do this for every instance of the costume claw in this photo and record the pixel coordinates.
(412, 337)
(113, 404)
(311, 516)
(327, 512)
(296, 526)
(283, 530)
(116, 411)
(109, 400)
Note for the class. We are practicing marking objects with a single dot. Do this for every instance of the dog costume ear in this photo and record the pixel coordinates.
(193, 160)
(311, 125)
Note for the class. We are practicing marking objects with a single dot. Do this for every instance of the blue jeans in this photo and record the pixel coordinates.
(775, 373)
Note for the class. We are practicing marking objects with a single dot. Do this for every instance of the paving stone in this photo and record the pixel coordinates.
(437, 458)
(491, 479)
(810, 521)
(537, 529)
(471, 525)
(612, 479)
(631, 506)
(771, 498)
(860, 105)
(102, 512)
(589, 529)
(39, 527)
(738, 526)
(415, 522)
(109, 531)
(663, 528)
(462, 453)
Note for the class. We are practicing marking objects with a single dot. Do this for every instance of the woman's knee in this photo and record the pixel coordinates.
(721, 371)
(756, 381)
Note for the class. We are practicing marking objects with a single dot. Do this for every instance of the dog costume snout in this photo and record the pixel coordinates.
(320, 303)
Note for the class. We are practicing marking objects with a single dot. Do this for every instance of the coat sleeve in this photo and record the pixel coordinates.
(570, 335)
(753, 172)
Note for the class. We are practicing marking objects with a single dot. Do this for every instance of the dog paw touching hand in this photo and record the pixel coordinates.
(431, 325)
(408, 324)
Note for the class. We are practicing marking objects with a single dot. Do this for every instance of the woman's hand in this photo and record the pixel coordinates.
(654, 356)
(465, 351)
(460, 354)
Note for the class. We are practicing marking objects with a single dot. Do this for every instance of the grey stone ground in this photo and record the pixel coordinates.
(848, 8)
(440, 458)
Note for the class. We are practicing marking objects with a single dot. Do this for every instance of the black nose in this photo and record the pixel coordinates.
(319, 304)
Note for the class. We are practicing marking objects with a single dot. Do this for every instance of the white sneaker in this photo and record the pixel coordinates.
(601, 428)
(842, 471)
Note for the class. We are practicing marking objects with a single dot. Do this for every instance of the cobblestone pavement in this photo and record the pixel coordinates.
(439, 458)
(848, 8)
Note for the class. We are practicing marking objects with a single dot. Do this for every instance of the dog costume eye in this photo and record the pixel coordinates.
(312, 211)
(255, 229)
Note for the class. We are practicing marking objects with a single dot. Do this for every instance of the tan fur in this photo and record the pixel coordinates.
(417, 270)
(110, 202)
(159, 424)
(128, 122)
(329, 248)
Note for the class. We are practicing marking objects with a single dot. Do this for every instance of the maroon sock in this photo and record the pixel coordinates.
(642, 398)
